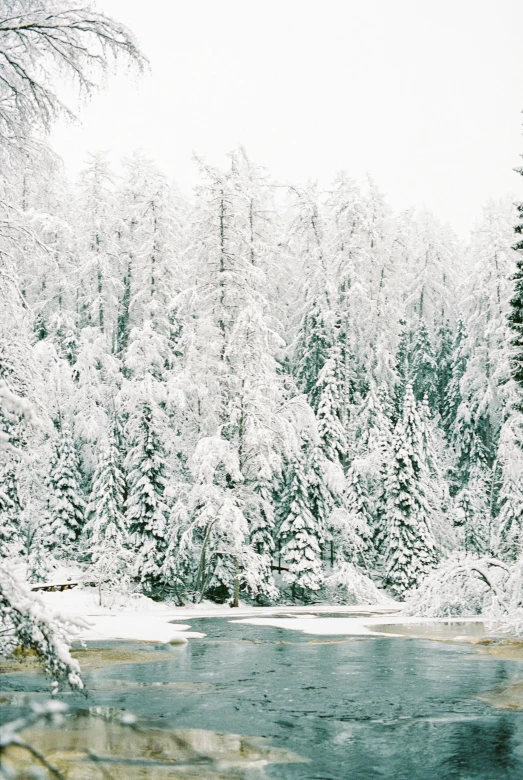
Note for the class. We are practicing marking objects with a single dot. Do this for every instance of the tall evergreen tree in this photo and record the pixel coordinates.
(106, 525)
(451, 393)
(66, 503)
(410, 548)
(357, 504)
(509, 531)
(325, 489)
(300, 531)
(424, 369)
(371, 434)
(444, 355)
(472, 513)
(145, 507)
(515, 315)
(9, 514)
(331, 413)
(312, 350)
(106, 533)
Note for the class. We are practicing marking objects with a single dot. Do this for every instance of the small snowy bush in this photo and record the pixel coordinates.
(348, 584)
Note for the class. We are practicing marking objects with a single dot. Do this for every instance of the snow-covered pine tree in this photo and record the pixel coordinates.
(350, 250)
(313, 346)
(146, 473)
(510, 533)
(236, 389)
(371, 434)
(8, 522)
(328, 457)
(515, 315)
(402, 367)
(331, 414)
(423, 373)
(325, 489)
(451, 394)
(479, 392)
(444, 356)
(410, 546)
(439, 461)
(66, 505)
(486, 304)
(508, 540)
(106, 525)
(349, 580)
(510, 450)
(223, 276)
(309, 243)
(258, 430)
(300, 531)
(432, 272)
(471, 512)
(151, 240)
(106, 535)
(213, 553)
(11, 541)
(354, 543)
(38, 561)
(96, 376)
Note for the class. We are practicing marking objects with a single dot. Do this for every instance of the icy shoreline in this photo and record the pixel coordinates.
(142, 619)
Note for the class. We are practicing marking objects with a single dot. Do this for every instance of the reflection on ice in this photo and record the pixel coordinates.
(100, 657)
(94, 748)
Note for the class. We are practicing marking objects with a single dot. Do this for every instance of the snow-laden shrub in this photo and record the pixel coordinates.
(462, 585)
(507, 615)
(348, 584)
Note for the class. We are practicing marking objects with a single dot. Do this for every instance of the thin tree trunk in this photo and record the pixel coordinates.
(236, 599)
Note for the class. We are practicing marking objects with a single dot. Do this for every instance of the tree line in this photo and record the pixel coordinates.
(259, 389)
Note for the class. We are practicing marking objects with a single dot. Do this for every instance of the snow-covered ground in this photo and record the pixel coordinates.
(349, 626)
(141, 619)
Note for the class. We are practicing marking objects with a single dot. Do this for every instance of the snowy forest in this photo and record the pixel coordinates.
(256, 390)
(261, 389)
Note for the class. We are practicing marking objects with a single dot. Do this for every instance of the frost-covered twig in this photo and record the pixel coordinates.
(10, 737)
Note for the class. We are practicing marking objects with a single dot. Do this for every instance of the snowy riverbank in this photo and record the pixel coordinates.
(141, 619)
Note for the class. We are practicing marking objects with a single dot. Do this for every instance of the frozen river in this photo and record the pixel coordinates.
(353, 707)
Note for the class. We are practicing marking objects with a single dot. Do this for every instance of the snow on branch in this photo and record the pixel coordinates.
(26, 623)
(466, 585)
(37, 38)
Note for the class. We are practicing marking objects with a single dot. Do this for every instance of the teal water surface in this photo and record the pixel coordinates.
(355, 707)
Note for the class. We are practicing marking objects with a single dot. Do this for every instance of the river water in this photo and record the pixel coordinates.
(359, 707)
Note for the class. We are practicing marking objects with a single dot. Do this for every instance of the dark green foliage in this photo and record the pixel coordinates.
(515, 317)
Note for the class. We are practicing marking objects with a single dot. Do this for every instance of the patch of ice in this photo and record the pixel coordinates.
(348, 626)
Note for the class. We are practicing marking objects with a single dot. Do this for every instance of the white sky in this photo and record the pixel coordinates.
(426, 96)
